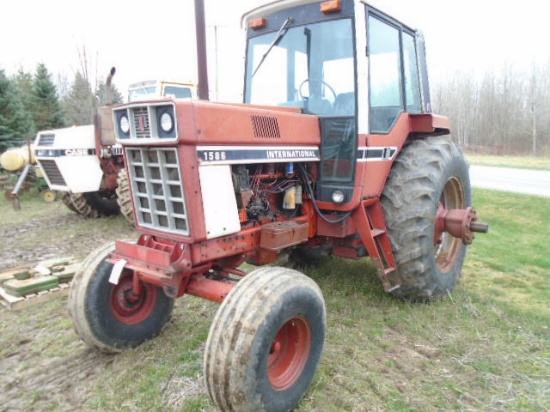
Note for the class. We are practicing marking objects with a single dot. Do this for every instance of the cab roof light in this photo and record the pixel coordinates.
(257, 23)
(331, 6)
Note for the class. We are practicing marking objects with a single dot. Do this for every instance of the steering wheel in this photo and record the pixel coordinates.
(322, 82)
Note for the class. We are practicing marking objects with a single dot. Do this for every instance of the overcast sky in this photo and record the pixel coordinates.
(150, 40)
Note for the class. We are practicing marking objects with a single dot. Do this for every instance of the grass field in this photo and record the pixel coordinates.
(484, 348)
(521, 162)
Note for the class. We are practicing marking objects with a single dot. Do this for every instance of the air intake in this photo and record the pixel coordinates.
(52, 171)
(46, 139)
(265, 127)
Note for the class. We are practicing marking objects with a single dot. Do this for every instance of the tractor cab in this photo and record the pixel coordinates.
(351, 65)
(152, 89)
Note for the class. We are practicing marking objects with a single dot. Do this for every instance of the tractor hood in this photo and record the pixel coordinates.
(167, 122)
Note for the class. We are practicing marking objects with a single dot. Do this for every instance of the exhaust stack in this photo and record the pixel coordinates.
(202, 65)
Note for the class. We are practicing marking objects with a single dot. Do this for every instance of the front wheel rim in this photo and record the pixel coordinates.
(129, 308)
(289, 353)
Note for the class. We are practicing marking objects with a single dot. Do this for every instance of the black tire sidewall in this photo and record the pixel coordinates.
(106, 327)
(105, 206)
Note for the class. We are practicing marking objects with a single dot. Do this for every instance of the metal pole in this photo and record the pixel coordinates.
(15, 191)
(201, 50)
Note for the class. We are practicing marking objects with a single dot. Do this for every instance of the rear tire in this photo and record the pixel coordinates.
(124, 199)
(91, 204)
(104, 201)
(302, 257)
(77, 203)
(265, 342)
(426, 173)
(102, 314)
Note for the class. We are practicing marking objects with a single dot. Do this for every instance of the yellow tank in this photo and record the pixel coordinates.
(17, 158)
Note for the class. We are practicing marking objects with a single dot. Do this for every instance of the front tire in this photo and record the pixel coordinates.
(265, 342)
(103, 314)
(427, 174)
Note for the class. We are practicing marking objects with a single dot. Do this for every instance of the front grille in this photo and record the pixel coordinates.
(157, 189)
(142, 122)
(52, 172)
(46, 139)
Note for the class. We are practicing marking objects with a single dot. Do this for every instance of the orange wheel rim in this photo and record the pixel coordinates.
(289, 353)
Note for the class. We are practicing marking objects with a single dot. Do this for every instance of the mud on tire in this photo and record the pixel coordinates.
(265, 342)
(101, 314)
(426, 173)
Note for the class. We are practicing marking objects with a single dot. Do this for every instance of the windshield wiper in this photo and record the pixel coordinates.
(280, 34)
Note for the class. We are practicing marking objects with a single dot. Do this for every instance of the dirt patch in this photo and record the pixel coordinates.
(43, 363)
(59, 234)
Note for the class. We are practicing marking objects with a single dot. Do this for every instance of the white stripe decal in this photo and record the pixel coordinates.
(376, 154)
(277, 154)
(259, 154)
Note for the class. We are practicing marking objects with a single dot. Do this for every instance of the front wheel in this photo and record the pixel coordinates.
(428, 175)
(109, 317)
(265, 342)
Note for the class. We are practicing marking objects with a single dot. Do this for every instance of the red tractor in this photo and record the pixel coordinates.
(335, 151)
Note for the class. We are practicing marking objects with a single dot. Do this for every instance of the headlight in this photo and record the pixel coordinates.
(166, 122)
(124, 124)
(338, 196)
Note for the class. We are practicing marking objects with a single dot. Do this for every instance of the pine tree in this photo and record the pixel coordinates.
(46, 111)
(23, 82)
(15, 122)
(101, 94)
(80, 104)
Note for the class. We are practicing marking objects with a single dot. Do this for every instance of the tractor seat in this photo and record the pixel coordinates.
(344, 104)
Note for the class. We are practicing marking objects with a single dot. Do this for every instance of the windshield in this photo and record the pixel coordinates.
(142, 93)
(177, 92)
(310, 66)
(151, 92)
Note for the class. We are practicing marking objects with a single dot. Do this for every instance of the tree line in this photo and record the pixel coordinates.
(506, 111)
(32, 102)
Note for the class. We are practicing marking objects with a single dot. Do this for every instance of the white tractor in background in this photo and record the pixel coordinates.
(86, 164)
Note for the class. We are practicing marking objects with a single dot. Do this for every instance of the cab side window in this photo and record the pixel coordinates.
(394, 82)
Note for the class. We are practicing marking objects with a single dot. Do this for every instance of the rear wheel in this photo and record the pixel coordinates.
(427, 175)
(124, 199)
(110, 317)
(77, 203)
(306, 257)
(104, 201)
(265, 342)
(91, 204)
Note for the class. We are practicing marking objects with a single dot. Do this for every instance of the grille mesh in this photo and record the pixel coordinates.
(158, 189)
(142, 123)
(52, 172)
